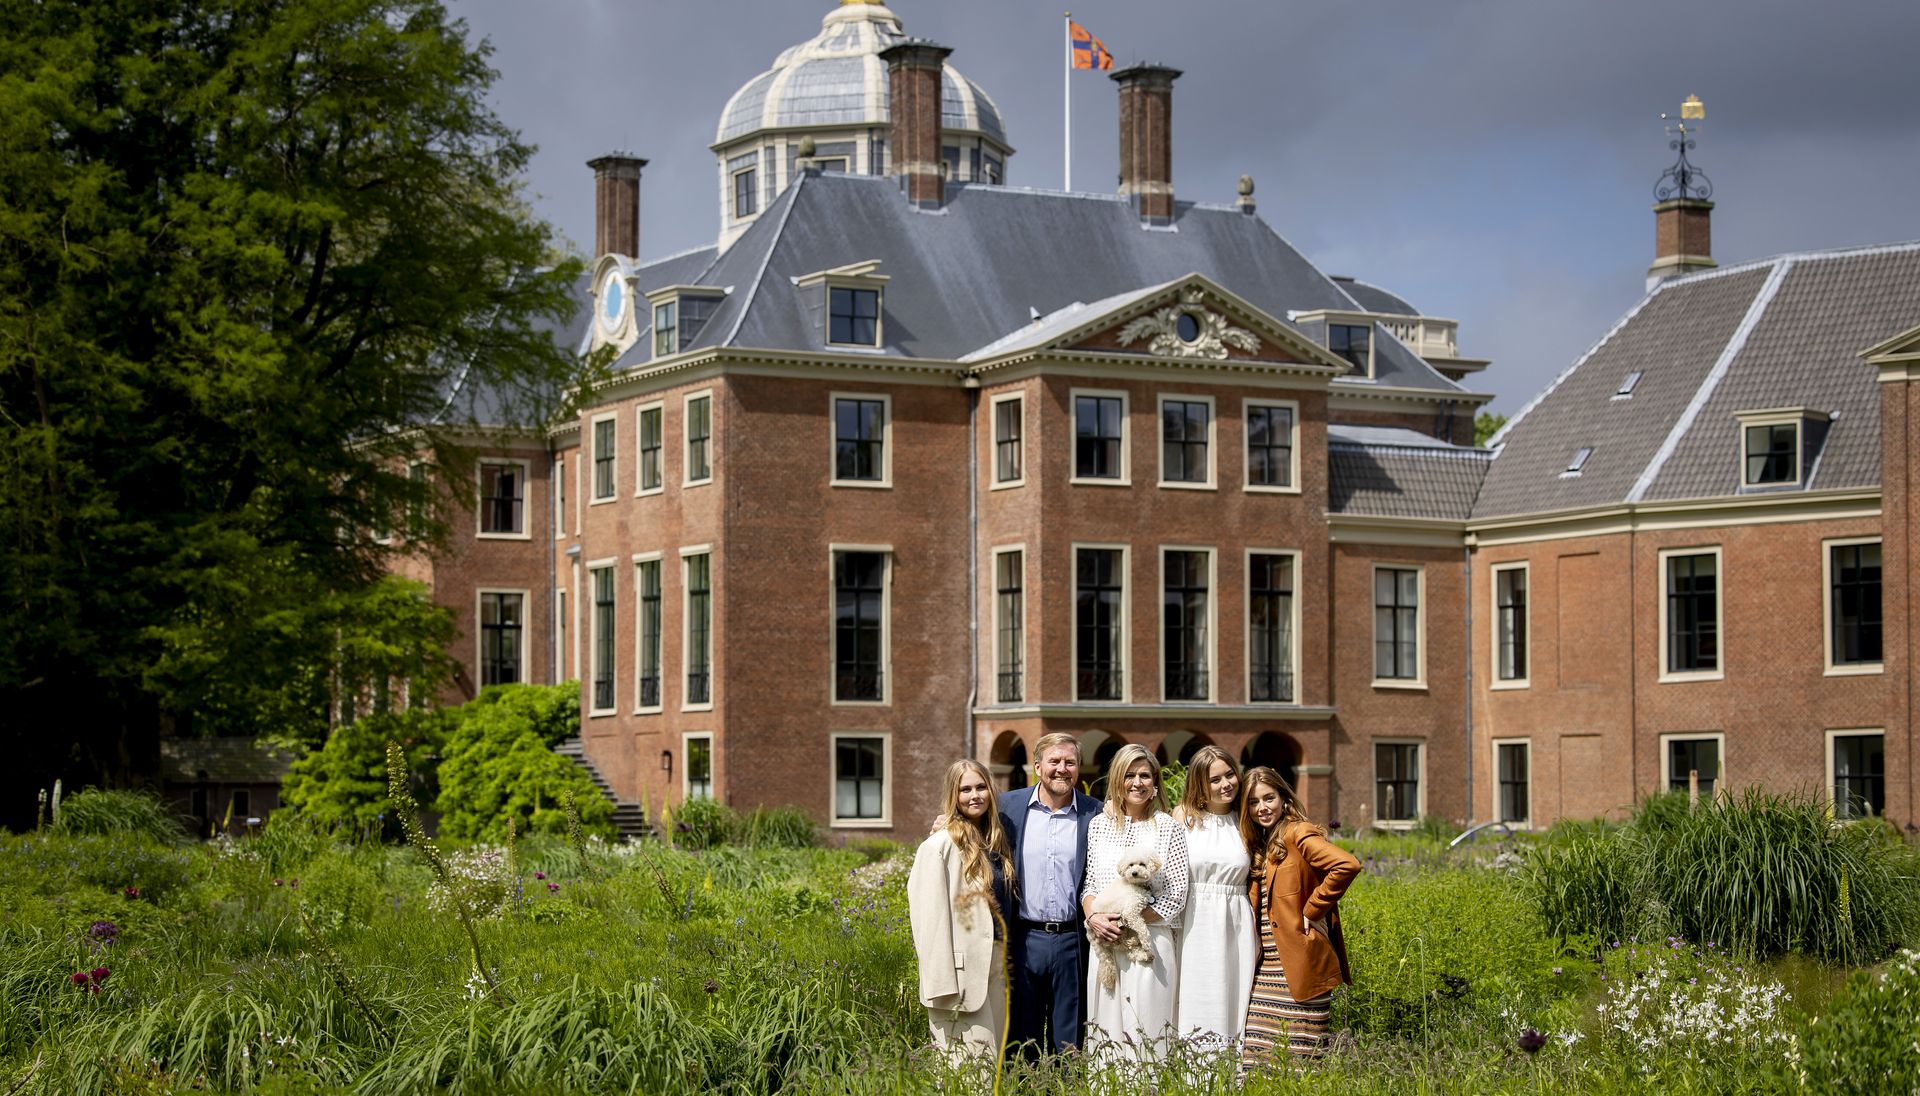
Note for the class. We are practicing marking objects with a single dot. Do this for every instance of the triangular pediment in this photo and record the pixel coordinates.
(1899, 350)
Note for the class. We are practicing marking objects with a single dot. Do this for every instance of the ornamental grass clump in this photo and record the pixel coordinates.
(104, 811)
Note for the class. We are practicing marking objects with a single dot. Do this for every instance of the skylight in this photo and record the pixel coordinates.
(1625, 391)
(1579, 460)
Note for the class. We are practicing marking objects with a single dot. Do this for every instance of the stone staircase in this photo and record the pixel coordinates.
(629, 819)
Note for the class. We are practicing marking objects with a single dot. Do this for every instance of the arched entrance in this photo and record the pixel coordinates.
(1181, 746)
(1096, 753)
(1007, 761)
(1276, 751)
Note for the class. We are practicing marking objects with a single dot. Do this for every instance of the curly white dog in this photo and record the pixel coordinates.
(1127, 895)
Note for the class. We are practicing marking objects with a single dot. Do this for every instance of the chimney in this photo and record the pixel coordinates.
(913, 84)
(616, 204)
(1146, 139)
(1682, 239)
(1246, 195)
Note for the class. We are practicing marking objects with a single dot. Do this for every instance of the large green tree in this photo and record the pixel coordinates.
(247, 247)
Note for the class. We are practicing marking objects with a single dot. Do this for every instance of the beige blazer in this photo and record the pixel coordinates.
(955, 953)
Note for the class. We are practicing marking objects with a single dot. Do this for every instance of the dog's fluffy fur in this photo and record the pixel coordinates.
(1127, 896)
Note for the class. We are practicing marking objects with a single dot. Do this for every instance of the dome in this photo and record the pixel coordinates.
(837, 79)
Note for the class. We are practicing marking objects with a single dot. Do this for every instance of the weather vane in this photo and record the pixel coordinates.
(1683, 180)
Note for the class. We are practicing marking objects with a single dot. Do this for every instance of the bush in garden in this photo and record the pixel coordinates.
(1586, 885)
(704, 824)
(105, 811)
(337, 892)
(1869, 1039)
(344, 782)
(498, 763)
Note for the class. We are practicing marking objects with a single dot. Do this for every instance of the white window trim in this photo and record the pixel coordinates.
(1213, 617)
(640, 413)
(1497, 682)
(579, 488)
(993, 441)
(639, 619)
(526, 497)
(593, 641)
(713, 450)
(1419, 680)
(1125, 479)
(1293, 449)
(1719, 671)
(886, 626)
(573, 628)
(1493, 772)
(886, 439)
(687, 739)
(733, 195)
(1666, 756)
(559, 491)
(1795, 418)
(593, 456)
(1420, 776)
(686, 630)
(1126, 621)
(875, 282)
(479, 634)
(1846, 669)
(560, 635)
(885, 821)
(1246, 622)
(1211, 483)
(993, 618)
(1832, 736)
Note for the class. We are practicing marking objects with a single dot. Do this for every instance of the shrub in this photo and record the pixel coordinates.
(105, 811)
(336, 892)
(704, 824)
(1869, 1039)
(499, 763)
(344, 782)
(1586, 885)
(781, 828)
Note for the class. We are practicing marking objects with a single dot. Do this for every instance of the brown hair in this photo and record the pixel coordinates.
(1053, 741)
(975, 840)
(1269, 846)
(1125, 759)
(1195, 797)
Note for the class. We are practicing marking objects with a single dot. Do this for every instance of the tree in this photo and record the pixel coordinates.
(247, 248)
(345, 782)
(499, 762)
(1485, 425)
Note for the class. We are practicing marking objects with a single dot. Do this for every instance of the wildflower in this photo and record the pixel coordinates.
(553, 888)
(104, 931)
(1531, 1041)
(78, 977)
(277, 881)
(712, 986)
(293, 884)
(539, 875)
(1557, 972)
(132, 892)
(99, 974)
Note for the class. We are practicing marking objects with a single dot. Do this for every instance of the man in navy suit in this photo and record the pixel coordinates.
(1047, 827)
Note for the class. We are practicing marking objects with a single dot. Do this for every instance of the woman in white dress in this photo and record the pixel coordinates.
(1219, 942)
(957, 897)
(1136, 1018)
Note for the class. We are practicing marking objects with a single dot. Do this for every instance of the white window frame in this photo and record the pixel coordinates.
(1832, 736)
(639, 621)
(640, 413)
(1126, 620)
(1666, 756)
(1848, 669)
(479, 634)
(560, 498)
(753, 192)
(1293, 449)
(886, 439)
(994, 621)
(1373, 781)
(886, 626)
(686, 630)
(573, 627)
(835, 821)
(1213, 619)
(1795, 418)
(593, 457)
(1493, 593)
(993, 441)
(875, 284)
(579, 489)
(1246, 622)
(593, 642)
(1493, 774)
(561, 634)
(687, 738)
(1719, 671)
(1211, 483)
(526, 498)
(713, 449)
(1419, 680)
(1125, 479)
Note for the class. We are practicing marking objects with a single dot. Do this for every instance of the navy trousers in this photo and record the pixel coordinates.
(1049, 982)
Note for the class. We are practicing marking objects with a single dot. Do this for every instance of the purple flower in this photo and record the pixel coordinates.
(132, 892)
(539, 875)
(553, 888)
(1531, 1041)
(1557, 972)
(78, 977)
(99, 974)
(103, 931)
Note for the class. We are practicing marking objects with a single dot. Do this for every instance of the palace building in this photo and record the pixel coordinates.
(916, 464)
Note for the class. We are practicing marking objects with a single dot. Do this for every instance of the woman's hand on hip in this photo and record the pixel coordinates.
(1308, 925)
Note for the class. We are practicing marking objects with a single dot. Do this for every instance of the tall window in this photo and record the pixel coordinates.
(1396, 623)
(1396, 781)
(1693, 613)
(1352, 342)
(648, 574)
(1859, 775)
(1184, 625)
(666, 328)
(699, 436)
(1006, 440)
(699, 629)
(1270, 628)
(1097, 422)
(1185, 426)
(744, 194)
(603, 454)
(1510, 622)
(1686, 756)
(602, 638)
(1855, 606)
(559, 636)
(1099, 627)
(1771, 454)
(1269, 446)
(650, 442)
(1511, 762)
(859, 606)
(560, 498)
(859, 439)
(503, 489)
(853, 316)
(501, 630)
(699, 766)
(1010, 633)
(859, 778)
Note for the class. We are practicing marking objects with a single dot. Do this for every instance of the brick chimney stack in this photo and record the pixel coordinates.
(1146, 139)
(1682, 239)
(616, 204)
(913, 84)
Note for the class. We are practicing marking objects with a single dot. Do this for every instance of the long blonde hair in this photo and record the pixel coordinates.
(978, 842)
(1116, 783)
(1196, 797)
(1269, 846)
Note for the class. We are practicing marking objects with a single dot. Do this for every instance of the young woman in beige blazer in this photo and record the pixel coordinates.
(961, 886)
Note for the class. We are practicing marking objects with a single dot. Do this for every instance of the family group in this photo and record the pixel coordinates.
(1048, 921)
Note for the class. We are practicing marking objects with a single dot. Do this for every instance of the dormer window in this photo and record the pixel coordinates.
(853, 316)
(1625, 391)
(1776, 445)
(679, 314)
(1353, 342)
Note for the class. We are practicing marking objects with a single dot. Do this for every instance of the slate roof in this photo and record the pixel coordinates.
(1783, 332)
(1382, 471)
(224, 760)
(1372, 298)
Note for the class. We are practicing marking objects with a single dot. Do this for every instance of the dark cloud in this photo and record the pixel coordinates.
(1491, 160)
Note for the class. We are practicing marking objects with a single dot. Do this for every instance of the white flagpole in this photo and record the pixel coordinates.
(1066, 81)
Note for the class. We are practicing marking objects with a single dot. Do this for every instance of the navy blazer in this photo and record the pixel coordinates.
(1013, 818)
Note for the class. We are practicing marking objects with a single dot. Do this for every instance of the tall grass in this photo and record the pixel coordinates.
(106, 811)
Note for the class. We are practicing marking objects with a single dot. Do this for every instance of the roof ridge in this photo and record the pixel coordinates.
(657, 260)
(792, 196)
(1817, 255)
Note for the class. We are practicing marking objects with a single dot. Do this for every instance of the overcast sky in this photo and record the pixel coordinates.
(1490, 160)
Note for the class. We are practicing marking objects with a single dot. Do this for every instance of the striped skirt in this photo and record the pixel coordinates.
(1274, 1018)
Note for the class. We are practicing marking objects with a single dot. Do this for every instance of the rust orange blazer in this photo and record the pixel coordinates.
(1309, 883)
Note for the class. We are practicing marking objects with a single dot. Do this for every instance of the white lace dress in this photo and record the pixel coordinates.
(1219, 940)
(1136, 1018)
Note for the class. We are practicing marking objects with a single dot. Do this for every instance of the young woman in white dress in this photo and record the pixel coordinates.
(1136, 1018)
(1219, 941)
(957, 895)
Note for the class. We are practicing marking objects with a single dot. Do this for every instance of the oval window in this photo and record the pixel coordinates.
(613, 296)
(1188, 325)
